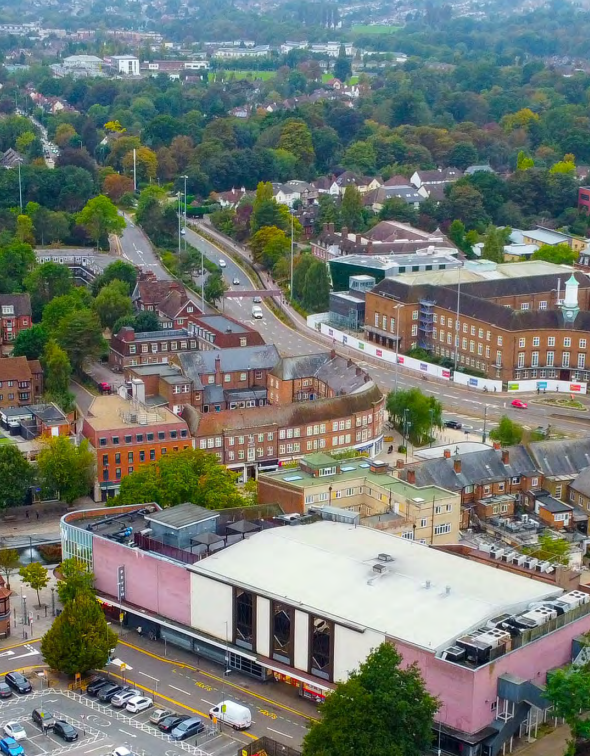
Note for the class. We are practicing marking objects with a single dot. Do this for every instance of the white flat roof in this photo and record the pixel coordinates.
(326, 567)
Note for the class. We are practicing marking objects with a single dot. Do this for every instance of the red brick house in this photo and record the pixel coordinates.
(15, 312)
(21, 381)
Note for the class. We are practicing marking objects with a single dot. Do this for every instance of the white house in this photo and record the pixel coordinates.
(125, 64)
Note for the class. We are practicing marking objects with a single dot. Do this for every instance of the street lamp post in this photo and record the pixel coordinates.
(485, 417)
(25, 616)
(20, 189)
(53, 602)
(179, 195)
(291, 283)
(397, 310)
(431, 413)
(185, 177)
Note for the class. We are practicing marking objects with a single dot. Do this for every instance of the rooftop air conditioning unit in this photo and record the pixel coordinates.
(496, 552)
(531, 563)
(519, 560)
(385, 558)
(379, 568)
(453, 654)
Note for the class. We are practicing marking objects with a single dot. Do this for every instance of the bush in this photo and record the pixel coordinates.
(51, 553)
(401, 449)
(127, 200)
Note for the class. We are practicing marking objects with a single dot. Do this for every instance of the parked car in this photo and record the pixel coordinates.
(10, 747)
(94, 686)
(139, 703)
(104, 387)
(182, 231)
(236, 281)
(5, 691)
(18, 682)
(65, 731)
(121, 699)
(15, 730)
(257, 299)
(222, 264)
(158, 715)
(188, 728)
(108, 692)
(43, 718)
(169, 723)
(455, 424)
(519, 404)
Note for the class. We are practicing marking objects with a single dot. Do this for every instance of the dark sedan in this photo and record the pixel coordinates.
(169, 723)
(455, 424)
(65, 731)
(107, 692)
(94, 686)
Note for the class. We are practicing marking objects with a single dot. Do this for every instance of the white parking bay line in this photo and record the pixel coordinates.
(99, 748)
(284, 734)
(150, 676)
(180, 690)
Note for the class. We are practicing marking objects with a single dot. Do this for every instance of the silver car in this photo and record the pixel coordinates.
(122, 698)
(159, 714)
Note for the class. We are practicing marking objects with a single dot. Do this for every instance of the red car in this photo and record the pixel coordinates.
(519, 404)
(105, 388)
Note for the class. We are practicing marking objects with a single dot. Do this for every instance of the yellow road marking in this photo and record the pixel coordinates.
(173, 701)
(226, 683)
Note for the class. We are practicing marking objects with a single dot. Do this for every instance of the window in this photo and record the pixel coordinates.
(558, 491)
(534, 482)
(152, 454)
(115, 440)
(551, 341)
(243, 376)
(550, 359)
(320, 647)
(521, 343)
(525, 306)
(442, 529)
(582, 343)
(535, 359)
(282, 629)
(150, 436)
(543, 305)
(414, 330)
(414, 314)
(244, 613)
(423, 522)
(117, 459)
(161, 435)
(227, 377)
(520, 362)
(536, 341)
(132, 349)
(129, 458)
(581, 361)
(464, 327)
(499, 341)
(139, 438)
(102, 441)
(442, 319)
(565, 359)
(408, 535)
(473, 330)
(142, 456)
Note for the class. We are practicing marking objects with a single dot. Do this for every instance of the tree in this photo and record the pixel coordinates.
(300, 268)
(24, 229)
(414, 414)
(9, 563)
(99, 218)
(568, 689)
(76, 579)
(112, 303)
(80, 335)
(31, 342)
(65, 468)
(57, 370)
(79, 639)
(64, 134)
(507, 433)
(383, 708)
(523, 162)
(45, 282)
(117, 271)
(316, 290)
(16, 476)
(560, 254)
(360, 156)
(116, 185)
(550, 548)
(296, 139)
(146, 163)
(36, 577)
(342, 66)
(351, 209)
(61, 307)
(268, 245)
(215, 287)
(190, 475)
(395, 208)
(493, 247)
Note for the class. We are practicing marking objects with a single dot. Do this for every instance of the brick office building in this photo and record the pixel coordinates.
(511, 327)
(21, 381)
(126, 434)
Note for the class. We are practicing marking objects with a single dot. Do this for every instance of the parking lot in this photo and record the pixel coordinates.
(102, 728)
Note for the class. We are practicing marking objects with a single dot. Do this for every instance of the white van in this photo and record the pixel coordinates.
(236, 715)
(257, 312)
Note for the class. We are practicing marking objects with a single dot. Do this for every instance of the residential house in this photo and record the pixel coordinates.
(15, 316)
(128, 348)
(295, 191)
(547, 236)
(124, 64)
(376, 198)
(485, 168)
(231, 198)
(222, 332)
(21, 381)
(552, 513)
(561, 462)
(11, 159)
(436, 177)
(579, 489)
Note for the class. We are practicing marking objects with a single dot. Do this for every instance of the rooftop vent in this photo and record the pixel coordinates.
(427, 584)
(379, 568)
(385, 558)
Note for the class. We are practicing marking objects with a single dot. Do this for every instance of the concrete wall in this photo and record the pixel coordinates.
(155, 584)
(352, 648)
(211, 606)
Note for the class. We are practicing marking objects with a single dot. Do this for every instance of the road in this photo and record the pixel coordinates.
(137, 249)
(459, 401)
(184, 682)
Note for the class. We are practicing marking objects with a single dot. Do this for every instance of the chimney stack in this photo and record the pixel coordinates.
(411, 477)
(505, 457)
(447, 453)
(457, 465)
(218, 378)
(496, 445)
(399, 464)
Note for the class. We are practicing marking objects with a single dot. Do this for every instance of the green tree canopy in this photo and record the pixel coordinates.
(9, 563)
(75, 579)
(550, 548)
(568, 689)
(99, 218)
(190, 475)
(80, 335)
(79, 639)
(507, 432)
(31, 342)
(383, 708)
(35, 576)
(58, 372)
(113, 302)
(66, 468)
(117, 271)
(301, 266)
(45, 282)
(560, 254)
(413, 412)
(17, 475)
(351, 209)
(215, 287)
(316, 289)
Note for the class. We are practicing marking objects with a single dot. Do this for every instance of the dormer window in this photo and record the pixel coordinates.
(8, 309)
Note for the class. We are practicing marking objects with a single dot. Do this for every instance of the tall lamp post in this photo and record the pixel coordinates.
(485, 417)
(185, 177)
(179, 196)
(292, 246)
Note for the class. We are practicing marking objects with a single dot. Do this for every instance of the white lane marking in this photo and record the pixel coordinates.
(131, 735)
(146, 675)
(208, 702)
(186, 693)
(99, 748)
(284, 734)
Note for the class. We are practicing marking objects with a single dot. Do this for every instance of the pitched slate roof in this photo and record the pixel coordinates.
(581, 482)
(195, 364)
(20, 302)
(563, 457)
(476, 467)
